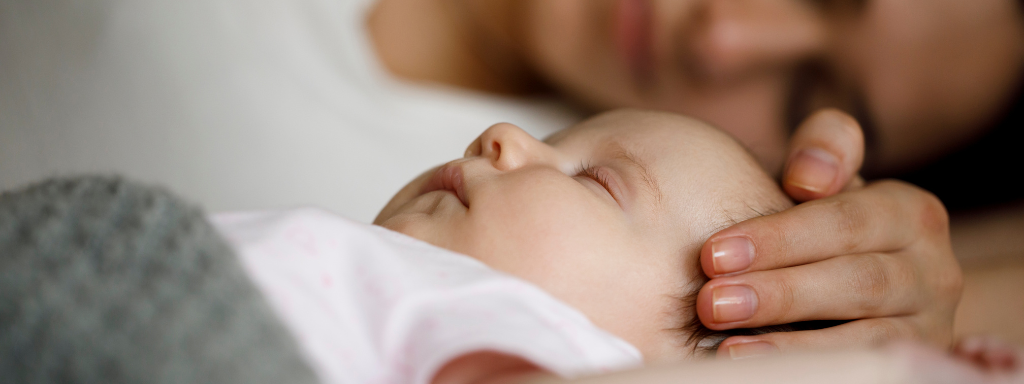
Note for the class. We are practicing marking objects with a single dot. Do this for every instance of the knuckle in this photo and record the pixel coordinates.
(873, 282)
(784, 297)
(933, 215)
(950, 281)
(954, 282)
(850, 218)
(931, 212)
(773, 247)
(772, 243)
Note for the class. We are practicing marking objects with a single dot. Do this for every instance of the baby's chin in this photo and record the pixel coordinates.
(405, 195)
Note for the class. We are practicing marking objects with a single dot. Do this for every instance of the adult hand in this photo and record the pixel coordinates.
(878, 255)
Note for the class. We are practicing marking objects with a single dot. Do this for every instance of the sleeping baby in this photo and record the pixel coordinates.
(582, 256)
(573, 256)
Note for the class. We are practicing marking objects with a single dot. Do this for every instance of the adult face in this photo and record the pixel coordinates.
(921, 75)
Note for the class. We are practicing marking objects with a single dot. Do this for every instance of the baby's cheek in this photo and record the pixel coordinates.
(559, 246)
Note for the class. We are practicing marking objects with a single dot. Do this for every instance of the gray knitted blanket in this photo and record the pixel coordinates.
(107, 281)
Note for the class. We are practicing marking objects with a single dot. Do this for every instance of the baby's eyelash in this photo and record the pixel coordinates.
(587, 170)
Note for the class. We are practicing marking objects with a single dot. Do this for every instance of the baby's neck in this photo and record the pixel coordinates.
(485, 368)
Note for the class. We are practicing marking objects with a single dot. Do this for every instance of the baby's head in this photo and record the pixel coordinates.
(608, 216)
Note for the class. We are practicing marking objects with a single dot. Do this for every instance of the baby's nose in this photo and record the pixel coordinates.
(509, 147)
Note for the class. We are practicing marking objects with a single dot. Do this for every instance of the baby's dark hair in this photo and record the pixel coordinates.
(704, 342)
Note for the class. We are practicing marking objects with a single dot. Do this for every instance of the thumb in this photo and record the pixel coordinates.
(825, 154)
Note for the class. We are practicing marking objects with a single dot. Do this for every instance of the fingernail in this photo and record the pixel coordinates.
(755, 349)
(731, 254)
(733, 303)
(813, 169)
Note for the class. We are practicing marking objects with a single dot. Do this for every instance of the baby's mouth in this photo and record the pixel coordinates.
(447, 178)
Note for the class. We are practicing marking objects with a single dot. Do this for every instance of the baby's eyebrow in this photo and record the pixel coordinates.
(650, 182)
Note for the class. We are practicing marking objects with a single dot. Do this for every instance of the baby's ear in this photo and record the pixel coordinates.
(824, 157)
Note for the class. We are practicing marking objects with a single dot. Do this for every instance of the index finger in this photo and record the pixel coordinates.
(881, 217)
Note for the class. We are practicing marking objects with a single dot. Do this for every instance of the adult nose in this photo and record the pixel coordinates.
(731, 39)
(509, 147)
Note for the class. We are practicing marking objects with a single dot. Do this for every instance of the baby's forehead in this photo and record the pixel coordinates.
(659, 139)
(698, 167)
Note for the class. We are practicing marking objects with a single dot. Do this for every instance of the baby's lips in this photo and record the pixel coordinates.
(447, 178)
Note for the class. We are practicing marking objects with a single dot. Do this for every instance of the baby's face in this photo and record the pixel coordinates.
(608, 216)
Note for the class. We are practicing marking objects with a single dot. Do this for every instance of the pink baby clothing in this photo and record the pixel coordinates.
(369, 305)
